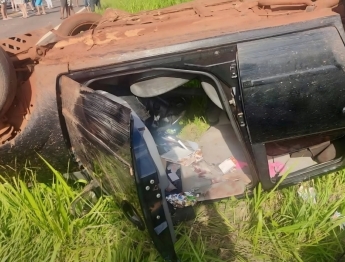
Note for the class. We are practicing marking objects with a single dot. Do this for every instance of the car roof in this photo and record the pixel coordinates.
(120, 37)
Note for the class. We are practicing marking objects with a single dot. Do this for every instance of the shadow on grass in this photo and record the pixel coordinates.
(211, 235)
(327, 250)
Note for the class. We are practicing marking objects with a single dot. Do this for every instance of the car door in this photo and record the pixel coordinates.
(115, 148)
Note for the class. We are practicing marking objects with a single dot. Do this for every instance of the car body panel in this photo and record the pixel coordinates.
(284, 84)
(87, 52)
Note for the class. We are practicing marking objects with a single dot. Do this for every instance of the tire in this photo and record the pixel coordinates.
(8, 82)
(79, 23)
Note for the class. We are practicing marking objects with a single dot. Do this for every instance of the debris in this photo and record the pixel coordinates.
(275, 168)
(171, 131)
(227, 165)
(307, 194)
(193, 145)
(338, 215)
(184, 156)
(201, 169)
(176, 154)
(173, 167)
(194, 158)
(182, 200)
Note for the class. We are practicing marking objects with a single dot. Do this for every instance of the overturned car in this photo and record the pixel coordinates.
(111, 98)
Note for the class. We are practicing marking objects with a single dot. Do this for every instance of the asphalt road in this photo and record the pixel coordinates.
(17, 25)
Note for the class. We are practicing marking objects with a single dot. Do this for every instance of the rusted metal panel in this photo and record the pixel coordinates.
(119, 44)
(22, 43)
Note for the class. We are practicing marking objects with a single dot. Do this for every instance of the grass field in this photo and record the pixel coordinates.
(36, 224)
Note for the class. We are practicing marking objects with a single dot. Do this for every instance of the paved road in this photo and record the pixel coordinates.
(18, 25)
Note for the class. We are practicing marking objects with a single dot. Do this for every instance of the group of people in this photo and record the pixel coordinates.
(91, 4)
(23, 6)
(67, 5)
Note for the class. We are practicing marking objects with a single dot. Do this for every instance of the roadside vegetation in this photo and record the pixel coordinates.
(137, 5)
(36, 223)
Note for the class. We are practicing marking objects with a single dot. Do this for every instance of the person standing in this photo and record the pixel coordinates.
(64, 7)
(39, 3)
(93, 4)
(4, 10)
(22, 6)
(14, 6)
(49, 4)
(70, 8)
(28, 2)
(87, 5)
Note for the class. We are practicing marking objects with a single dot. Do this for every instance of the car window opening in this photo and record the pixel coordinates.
(193, 135)
(198, 148)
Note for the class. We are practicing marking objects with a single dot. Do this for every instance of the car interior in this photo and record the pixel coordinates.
(214, 165)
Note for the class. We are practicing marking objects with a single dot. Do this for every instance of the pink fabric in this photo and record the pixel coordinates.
(239, 164)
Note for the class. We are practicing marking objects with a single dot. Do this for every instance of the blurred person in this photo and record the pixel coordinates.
(70, 7)
(87, 5)
(14, 6)
(39, 3)
(49, 4)
(3, 5)
(64, 7)
(22, 6)
(31, 6)
(93, 3)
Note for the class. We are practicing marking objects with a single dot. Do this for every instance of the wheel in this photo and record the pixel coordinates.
(79, 23)
(8, 82)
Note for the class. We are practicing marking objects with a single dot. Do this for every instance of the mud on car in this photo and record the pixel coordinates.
(109, 92)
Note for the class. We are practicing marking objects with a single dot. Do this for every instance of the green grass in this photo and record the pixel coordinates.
(36, 225)
(137, 5)
(194, 124)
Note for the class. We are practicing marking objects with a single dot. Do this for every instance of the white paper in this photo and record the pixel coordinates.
(227, 165)
(173, 176)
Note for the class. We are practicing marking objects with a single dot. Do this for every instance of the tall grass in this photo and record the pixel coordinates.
(36, 225)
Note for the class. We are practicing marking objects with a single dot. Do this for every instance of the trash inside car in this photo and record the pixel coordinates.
(110, 92)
